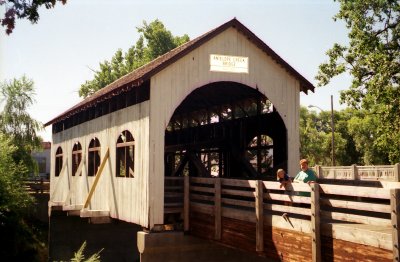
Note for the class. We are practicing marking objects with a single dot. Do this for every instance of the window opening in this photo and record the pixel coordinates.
(93, 157)
(59, 161)
(76, 157)
(125, 155)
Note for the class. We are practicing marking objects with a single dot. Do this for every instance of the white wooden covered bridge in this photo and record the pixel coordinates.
(222, 107)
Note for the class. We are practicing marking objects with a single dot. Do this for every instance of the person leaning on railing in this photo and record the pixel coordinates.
(306, 175)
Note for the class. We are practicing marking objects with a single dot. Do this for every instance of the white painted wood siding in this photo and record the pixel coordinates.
(173, 84)
(125, 198)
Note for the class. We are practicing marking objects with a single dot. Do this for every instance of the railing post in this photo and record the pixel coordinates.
(395, 212)
(354, 172)
(217, 208)
(318, 171)
(41, 185)
(397, 172)
(315, 223)
(259, 215)
(186, 202)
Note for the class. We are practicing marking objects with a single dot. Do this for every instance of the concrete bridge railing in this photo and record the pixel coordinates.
(367, 173)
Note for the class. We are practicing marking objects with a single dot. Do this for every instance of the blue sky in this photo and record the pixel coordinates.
(59, 52)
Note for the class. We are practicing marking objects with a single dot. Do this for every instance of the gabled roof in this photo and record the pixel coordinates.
(145, 72)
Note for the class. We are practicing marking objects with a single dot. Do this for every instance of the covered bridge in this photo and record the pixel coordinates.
(189, 142)
(222, 105)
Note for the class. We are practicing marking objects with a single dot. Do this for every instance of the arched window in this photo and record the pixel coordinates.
(125, 155)
(76, 157)
(59, 161)
(93, 157)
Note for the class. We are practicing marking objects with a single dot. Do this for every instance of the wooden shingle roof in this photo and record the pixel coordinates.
(145, 72)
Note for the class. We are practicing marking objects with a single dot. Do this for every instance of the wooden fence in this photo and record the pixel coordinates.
(318, 210)
(37, 185)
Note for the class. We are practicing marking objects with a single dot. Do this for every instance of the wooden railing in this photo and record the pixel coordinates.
(37, 185)
(315, 209)
(354, 172)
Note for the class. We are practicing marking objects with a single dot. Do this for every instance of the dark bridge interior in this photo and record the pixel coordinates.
(225, 129)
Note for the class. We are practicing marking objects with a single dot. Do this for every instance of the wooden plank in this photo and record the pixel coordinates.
(259, 216)
(239, 183)
(355, 191)
(72, 207)
(186, 204)
(238, 214)
(194, 196)
(201, 208)
(315, 223)
(217, 209)
(236, 202)
(95, 213)
(234, 192)
(290, 223)
(355, 218)
(173, 210)
(96, 180)
(75, 179)
(174, 194)
(287, 198)
(175, 204)
(301, 187)
(59, 180)
(395, 219)
(202, 189)
(371, 236)
(373, 207)
(288, 209)
(168, 188)
(202, 180)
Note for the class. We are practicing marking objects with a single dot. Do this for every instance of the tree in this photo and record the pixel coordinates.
(355, 131)
(15, 121)
(154, 41)
(363, 129)
(23, 9)
(16, 238)
(13, 197)
(313, 145)
(372, 59)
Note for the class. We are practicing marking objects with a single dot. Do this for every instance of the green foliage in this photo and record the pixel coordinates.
(355, 133)
(17, 240)
(80, 257)
(372, 59)
(17, 138)
(23, 9)
(154, 41)
(314, 140)
(16, 123)
(13, 197)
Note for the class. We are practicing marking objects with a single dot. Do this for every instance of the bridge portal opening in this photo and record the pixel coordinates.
(227, 130)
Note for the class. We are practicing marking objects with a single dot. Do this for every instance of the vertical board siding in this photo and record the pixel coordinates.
(172, 85)
(125, 198)
(140, 200)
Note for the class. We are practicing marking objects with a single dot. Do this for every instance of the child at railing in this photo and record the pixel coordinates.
(286, 182)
